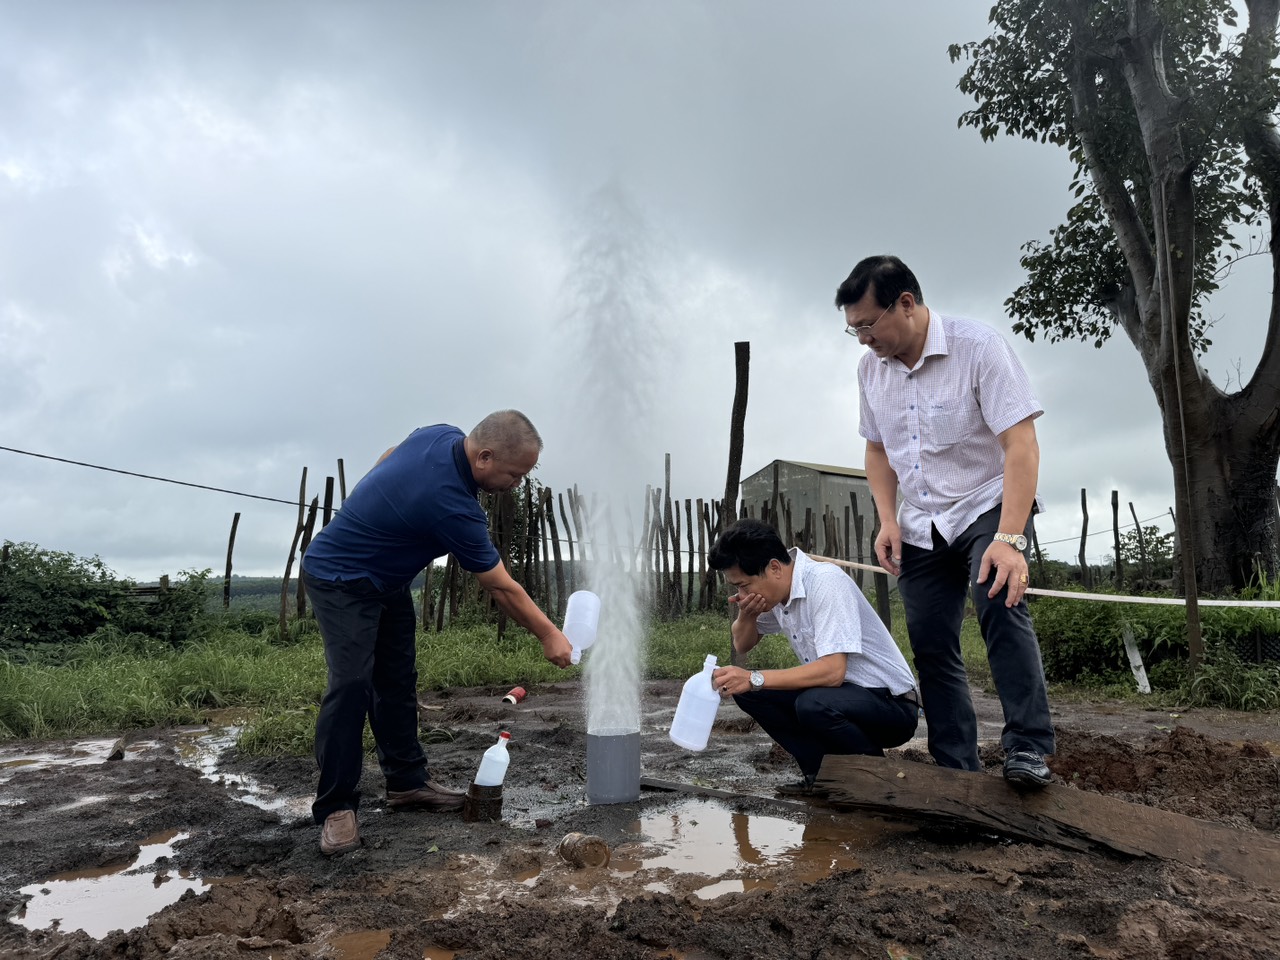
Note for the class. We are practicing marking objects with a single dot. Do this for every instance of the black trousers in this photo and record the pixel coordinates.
(811, 723)
(369, 645)
(935, 585)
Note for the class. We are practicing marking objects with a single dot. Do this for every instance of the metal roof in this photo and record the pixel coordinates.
(819, 467)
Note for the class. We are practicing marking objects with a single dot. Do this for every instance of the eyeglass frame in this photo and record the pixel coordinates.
(859, 329)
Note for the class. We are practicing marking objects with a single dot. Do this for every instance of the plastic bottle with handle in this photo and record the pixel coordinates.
(493, 765)
(696, 711)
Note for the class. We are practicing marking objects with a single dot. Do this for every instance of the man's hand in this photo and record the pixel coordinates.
(889, 547)
(1011, 570)
(727, 681)
(750, 604)
(557, 648)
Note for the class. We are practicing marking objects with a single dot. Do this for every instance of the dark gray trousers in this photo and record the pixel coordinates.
(934, 585)
(370, 637)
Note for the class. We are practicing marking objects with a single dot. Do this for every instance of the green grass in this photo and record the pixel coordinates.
(126, 683)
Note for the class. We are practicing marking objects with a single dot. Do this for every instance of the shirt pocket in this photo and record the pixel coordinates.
(951, 419)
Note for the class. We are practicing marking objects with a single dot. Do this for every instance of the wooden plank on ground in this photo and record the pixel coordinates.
(1057, 815)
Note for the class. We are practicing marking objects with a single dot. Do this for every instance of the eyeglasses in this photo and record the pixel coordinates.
(861, 328)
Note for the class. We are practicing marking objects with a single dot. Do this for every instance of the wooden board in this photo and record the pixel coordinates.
(1057, 815)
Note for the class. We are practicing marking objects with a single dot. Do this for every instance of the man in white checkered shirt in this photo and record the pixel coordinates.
(948, 414)
(851, 692)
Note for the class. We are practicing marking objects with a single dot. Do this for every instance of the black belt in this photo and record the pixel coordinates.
(909, 696)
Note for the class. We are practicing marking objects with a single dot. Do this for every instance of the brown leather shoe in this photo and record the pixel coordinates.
(340, 833)
(429, 796)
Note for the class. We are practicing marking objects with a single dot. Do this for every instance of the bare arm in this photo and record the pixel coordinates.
(1021, 474)
(884, 490)
(519, 606)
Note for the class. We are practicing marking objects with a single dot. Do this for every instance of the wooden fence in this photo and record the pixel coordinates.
(549, 540)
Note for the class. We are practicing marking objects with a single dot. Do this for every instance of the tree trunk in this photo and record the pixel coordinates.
(1232, 452)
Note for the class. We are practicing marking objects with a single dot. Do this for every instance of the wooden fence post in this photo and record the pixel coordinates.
(742, 378)
(1142, 545)
(1085, 579)
(561, 596)
(568, 536)
(1115, 527)
(293, 547)
(308, 528)
(226, 579)
(428, 604)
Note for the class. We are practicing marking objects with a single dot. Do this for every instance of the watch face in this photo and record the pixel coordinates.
(757, 680)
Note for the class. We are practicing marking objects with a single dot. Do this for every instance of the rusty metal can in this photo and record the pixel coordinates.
(584, 850)
(515, 695)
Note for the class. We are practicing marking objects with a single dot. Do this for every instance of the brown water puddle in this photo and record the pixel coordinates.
(103, 899)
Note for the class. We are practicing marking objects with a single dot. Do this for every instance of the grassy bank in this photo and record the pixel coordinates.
(112, 687)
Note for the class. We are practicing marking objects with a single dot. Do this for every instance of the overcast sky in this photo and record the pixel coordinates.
(240, 239)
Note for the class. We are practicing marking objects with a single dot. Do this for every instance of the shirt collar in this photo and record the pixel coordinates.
(935, 340)
(798, 560)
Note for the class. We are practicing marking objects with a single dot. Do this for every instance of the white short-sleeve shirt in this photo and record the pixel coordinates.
(939, 423)
(827, 613)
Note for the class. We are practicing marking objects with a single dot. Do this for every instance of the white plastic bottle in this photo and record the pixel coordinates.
(581, 620)
(493, 765)
(696, 711)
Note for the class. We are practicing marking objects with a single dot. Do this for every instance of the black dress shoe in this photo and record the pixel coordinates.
(1026, 768)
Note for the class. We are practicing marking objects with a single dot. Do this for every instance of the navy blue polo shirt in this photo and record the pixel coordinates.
(415, 506)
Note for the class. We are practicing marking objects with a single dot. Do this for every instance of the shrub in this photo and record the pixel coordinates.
(49, 599)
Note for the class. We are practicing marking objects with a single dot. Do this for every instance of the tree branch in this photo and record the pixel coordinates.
(1131, 233)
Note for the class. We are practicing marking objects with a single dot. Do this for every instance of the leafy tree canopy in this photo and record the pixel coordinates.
(1056, 71)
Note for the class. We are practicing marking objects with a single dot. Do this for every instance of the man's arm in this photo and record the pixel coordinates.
(1021, 474)
(826, 671)
(884, 490)
(519, 606)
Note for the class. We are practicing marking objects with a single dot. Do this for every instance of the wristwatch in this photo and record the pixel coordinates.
(757, 680)
(1015, 540)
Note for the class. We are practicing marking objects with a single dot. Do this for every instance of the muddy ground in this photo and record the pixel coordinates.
(846, 885)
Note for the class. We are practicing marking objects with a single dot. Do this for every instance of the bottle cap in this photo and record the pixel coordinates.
(504, 735)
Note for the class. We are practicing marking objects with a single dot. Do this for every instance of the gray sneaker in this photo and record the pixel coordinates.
(1026, 769)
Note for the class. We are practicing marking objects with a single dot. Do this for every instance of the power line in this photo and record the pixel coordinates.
(146, 476)
(294, 503)
(1098, 533)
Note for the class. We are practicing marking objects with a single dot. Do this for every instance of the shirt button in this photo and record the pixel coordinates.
(913, 436)
(913, 406)
(917, 466)
(925, 494)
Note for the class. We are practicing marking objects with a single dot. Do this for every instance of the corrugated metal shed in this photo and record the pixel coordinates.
(817, 487)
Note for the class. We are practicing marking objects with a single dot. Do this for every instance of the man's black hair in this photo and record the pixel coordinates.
(748, 545)
(887, 276)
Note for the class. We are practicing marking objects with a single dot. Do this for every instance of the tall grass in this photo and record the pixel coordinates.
(117, 682)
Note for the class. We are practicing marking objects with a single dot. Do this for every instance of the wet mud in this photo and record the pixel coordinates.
(751, 874)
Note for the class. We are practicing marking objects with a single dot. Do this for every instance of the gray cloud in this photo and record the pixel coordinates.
(242, 239)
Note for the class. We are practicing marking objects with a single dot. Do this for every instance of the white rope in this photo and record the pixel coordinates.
(1072, 595)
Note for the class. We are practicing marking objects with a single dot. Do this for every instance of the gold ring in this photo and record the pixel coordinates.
(1023, 578)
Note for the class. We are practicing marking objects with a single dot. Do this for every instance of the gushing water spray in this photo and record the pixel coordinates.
(612, 312)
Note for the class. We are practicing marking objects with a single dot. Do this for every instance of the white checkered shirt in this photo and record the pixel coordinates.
(827, 613)
(939, 423)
